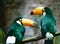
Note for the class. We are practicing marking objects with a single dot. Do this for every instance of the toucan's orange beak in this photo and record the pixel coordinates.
(37, 11)
(28, 22)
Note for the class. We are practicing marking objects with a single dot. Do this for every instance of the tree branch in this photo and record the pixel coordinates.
(35, 38)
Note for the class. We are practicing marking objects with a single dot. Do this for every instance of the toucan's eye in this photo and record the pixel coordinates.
(43, 10)
(21, 21)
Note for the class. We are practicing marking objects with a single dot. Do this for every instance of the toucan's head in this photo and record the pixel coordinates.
(25, 22)
(41, 10)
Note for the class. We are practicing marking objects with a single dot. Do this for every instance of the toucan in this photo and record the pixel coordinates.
(47, 22)
(16, 31)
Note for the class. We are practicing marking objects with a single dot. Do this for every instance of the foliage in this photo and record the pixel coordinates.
(2, 36)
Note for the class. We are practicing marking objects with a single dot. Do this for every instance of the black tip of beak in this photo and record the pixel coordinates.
(31, 13)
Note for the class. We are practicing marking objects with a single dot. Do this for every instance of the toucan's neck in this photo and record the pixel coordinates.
(15, 25)
(49, 14)
(48, 11)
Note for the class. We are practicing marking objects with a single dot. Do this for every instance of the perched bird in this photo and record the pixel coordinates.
(47, 22)
(16, 31)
